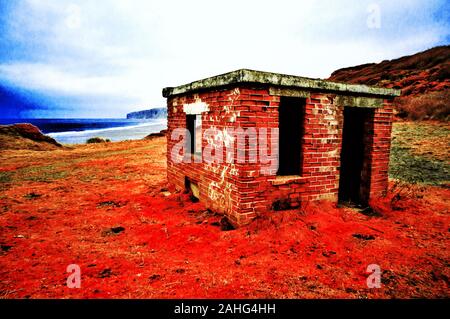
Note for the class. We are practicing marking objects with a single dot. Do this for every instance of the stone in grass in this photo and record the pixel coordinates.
(363, 237)
(154, 277)
(110, 203)
(113, 231)
(105, 273)
(32, 195)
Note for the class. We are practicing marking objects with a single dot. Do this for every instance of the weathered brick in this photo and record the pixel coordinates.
(241, 190)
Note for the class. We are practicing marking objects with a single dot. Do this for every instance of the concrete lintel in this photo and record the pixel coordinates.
(358, 101)
(277, 91)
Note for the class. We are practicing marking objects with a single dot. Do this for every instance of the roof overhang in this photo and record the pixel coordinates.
(245, 76)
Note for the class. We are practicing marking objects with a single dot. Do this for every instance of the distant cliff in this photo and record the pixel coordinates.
(157, 113)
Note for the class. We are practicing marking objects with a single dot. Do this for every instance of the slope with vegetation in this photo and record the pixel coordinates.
(424, 79)
(25, 136)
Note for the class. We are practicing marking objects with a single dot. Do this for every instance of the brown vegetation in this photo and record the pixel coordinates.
(424, 79)
(25, 136)
(429, 106)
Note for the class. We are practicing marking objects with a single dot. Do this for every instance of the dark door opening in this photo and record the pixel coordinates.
(352, 155)
(190, 125)
(290, 133)
(193, 125)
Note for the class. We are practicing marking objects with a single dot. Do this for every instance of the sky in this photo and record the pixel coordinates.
(105, 58)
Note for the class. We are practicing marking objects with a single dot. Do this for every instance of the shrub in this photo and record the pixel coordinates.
(97, 140)
(431, 106)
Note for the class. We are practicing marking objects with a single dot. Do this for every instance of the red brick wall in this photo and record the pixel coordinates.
(380, 148)
(322, 146)
(217, 182)
(241, 190)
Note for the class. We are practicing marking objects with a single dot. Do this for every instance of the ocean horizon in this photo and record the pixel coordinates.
(78, 131)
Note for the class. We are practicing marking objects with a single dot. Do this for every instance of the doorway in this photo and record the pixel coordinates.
(352, 186)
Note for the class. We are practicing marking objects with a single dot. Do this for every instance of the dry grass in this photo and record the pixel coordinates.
(420, 152)
(107, 208)
(431, 106)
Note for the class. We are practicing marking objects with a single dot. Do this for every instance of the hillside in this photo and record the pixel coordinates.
(25, 136)
(156, 113)
(423, 78)
(424, 72)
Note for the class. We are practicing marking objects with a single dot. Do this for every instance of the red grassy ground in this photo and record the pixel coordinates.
(56, 208)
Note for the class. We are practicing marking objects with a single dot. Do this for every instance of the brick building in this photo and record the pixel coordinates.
(330, 141)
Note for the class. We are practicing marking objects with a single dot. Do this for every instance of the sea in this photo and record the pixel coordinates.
(78, 131)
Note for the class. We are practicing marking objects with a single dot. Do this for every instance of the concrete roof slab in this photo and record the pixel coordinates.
(280, 80)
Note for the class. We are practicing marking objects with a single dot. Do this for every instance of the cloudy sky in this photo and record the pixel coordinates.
(104, 58)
